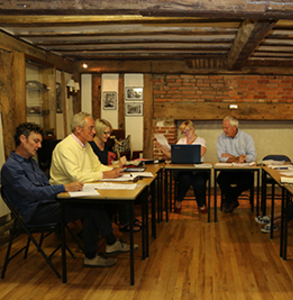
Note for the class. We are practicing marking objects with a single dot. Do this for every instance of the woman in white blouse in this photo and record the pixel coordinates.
(185, 179)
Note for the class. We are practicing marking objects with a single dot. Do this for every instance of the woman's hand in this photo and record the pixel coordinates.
(122, 161)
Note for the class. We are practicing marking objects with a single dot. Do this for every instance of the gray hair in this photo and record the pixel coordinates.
(233, 121)
(79, 120)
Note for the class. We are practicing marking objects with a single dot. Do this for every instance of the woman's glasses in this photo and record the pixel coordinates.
(107, 132)
(185, 131)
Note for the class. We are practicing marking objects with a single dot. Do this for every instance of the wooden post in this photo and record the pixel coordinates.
(148, 116)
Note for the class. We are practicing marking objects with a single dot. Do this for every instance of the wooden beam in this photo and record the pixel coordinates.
(15, 45)
(200, 66)
(7, 101)
(148, 112)
(96, 96)
(18, 71)
(121, 106)
(219, 110)
(249, 36)
(187, 8)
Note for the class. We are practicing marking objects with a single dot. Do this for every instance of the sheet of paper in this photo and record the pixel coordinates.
(141, 174)
(273, 162)
(235, 164)
(245, 164)
(206, 166)
(124, 177)
(287, 173)
(221, 164)
(162, 141)
(280, 167)
(114, 186)
(83, 193)
(286, 179)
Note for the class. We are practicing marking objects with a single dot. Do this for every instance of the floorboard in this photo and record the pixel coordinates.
(190, 259)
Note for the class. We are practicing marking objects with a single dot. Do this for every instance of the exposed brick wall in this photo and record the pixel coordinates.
(211, 88)
(216, 88)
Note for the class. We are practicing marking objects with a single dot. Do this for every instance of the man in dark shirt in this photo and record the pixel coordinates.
(30, 192)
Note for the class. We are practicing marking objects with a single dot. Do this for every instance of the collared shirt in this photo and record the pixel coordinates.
(242, 143)
(26, 185)
(78, 140)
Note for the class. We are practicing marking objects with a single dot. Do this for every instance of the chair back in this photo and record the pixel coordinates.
(277, 157)
(11, 207)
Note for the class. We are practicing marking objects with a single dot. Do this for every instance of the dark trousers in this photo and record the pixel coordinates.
(241, 182)
(198, 182)
(94, 218)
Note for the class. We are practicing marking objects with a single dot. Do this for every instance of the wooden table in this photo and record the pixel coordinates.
(110, 196)
(156, 190)
(287, 190)
(183, 167)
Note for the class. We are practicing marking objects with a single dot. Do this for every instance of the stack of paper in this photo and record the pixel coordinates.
(234, 164)
(286, 179)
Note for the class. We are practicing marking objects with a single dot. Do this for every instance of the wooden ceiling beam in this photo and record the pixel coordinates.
(118, 31)
(187, 8)
(250, 35)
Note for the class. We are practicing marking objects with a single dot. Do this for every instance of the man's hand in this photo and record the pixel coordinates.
(242, 158)
(73, 186)
(117, 172)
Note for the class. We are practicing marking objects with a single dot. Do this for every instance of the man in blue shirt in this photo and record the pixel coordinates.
(29, 191)
(234, 145)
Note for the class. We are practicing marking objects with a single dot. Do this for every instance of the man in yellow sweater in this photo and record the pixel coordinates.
(73, 158)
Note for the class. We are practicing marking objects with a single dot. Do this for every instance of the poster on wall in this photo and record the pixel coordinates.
(133, 109)
(109, 100)
(133, 93)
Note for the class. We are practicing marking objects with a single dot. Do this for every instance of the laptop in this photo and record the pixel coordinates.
(185, 154)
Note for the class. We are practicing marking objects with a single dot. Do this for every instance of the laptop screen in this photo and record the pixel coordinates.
(185, 154)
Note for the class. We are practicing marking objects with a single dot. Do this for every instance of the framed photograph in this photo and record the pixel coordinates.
(109, 100)
(133, 109)
(133, 93)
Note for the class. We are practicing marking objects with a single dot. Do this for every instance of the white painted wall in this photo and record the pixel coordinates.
(134, 125)
(86, 93)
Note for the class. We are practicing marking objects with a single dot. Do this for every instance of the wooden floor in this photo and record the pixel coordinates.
(190, 259)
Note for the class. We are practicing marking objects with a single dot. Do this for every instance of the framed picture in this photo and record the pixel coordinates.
(109, 100)
(133, 93)
(133, 109)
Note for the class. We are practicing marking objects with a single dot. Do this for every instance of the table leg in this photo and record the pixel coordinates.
(154, 186)
(209, 197)
(131, 214)
(215, 196)
(63, 242)
(272, 211)
(166, 195)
